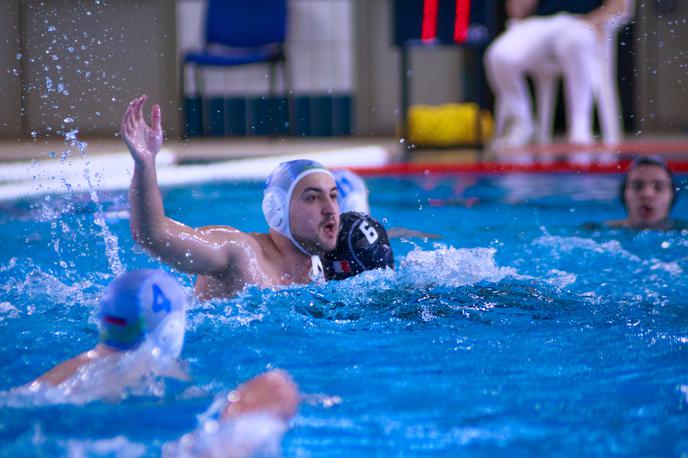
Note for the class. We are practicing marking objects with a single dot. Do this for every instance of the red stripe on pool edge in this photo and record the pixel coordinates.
(406, 168)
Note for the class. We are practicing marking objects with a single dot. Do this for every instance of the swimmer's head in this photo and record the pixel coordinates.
(362, 245)
(648, 191)
(352, 193)
(299, 203)
(143, 304)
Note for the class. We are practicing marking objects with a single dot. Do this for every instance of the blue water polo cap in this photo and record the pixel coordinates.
(141, 304)
(352, 193)
(279, 188)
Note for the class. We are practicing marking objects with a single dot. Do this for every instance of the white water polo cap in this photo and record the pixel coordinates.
(143, 304)
(279, 188)
(352, 193)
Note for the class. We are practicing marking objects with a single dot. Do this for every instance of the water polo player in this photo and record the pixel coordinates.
(648, 193)
(140, 307)
(362, 245)
(299, 204)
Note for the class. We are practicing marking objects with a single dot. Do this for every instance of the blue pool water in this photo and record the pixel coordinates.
(518, 333)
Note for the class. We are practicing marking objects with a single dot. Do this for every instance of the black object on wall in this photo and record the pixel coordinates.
(407, 21)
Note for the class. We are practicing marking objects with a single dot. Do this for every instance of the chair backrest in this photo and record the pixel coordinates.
(245, 23)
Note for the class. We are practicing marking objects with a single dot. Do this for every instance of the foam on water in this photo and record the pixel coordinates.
(114, 377)
(118, 446)
(449, 266)
(561, 245)
(250, 435)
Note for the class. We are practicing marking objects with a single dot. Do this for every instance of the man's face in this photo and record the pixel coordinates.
(648, 196)
(314, 213)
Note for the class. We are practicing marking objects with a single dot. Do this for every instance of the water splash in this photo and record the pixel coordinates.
(449, 266)
(114, 377)
(254, 434)
(33, 285)
(8, 310)
(118, 446)
(111, 240)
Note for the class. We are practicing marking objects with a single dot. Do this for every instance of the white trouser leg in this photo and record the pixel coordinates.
(576, 48)
(507, 60)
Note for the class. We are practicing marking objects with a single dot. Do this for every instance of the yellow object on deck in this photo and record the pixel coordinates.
(449, 124)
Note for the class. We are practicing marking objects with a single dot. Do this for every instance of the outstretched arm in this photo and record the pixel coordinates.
(187, 249)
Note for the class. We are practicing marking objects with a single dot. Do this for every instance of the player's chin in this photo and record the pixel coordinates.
(328, 241)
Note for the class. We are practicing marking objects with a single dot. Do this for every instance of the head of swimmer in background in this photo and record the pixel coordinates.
(362, 245)
(648, 192)
(140, 305)
(300, 203)
(352, 193)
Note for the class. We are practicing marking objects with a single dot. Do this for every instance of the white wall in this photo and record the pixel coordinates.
(10, 91)
(85, 61)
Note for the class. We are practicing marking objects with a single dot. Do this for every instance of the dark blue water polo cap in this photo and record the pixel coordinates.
(362, 244)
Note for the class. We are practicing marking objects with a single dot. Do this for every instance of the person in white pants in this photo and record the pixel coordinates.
(529, 41)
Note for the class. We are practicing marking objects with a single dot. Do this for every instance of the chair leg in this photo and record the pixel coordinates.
(198, 77)
(182, 101)
(289, 96)
(273, 89)
(545, 94)
(607, 100)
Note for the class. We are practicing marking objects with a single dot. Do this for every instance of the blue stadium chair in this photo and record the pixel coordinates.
(241, 32)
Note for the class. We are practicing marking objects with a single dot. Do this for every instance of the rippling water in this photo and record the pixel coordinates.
(518, 332)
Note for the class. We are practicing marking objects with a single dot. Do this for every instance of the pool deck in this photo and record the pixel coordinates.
(203, 150)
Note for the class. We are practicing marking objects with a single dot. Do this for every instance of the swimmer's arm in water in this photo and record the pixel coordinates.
(66, 369)
(204, 251)
(273, 392)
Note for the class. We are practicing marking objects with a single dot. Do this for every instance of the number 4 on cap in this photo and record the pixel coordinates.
(160, 301)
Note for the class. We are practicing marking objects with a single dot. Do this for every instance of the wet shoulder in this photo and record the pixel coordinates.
(225, 234)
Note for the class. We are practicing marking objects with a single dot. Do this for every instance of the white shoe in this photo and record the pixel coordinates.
(517, 134)
(607, 157)
(581, 158)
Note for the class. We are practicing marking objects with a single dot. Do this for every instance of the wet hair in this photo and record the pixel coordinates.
(654, 160)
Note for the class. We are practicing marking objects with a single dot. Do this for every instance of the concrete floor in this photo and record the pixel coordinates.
(195, 150)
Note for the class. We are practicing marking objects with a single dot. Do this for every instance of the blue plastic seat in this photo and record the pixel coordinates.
(241, 32)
